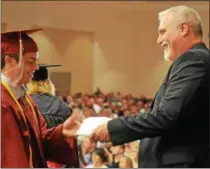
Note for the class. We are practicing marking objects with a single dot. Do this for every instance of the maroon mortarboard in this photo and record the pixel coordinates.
(12, 42)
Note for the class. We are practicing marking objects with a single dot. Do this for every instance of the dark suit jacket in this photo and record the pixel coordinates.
(176, 129)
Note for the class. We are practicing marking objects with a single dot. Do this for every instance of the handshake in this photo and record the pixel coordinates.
(96, 128)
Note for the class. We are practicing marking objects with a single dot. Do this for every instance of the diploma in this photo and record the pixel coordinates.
(90, 124)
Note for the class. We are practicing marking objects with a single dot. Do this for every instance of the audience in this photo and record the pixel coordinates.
(110, 105)
(126, 162)
(99, 157)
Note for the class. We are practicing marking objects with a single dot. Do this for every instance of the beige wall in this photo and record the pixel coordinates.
(125, 55)
(3, 27)
(73, 50)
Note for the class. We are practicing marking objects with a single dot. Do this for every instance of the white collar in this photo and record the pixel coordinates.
(17, 91)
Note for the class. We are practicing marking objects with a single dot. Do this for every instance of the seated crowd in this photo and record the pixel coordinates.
(112, 105)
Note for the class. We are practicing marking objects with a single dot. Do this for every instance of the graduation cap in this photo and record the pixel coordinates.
(18, 42)
(42, 73)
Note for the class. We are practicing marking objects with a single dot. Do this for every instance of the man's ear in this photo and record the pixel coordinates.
(184, 29)
(10, 61)
(7, 59)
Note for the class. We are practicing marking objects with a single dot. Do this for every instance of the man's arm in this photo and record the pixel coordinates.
(182, 84)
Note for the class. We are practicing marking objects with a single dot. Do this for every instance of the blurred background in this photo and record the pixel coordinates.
(111, 64)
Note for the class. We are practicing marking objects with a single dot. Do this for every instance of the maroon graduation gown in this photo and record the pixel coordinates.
(47, 144)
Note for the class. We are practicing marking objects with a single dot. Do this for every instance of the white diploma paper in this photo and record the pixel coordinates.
(90, 124)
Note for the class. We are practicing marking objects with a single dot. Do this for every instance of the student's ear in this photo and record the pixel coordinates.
(7, 59)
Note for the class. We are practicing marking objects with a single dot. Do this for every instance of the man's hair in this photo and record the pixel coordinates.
(185, 14)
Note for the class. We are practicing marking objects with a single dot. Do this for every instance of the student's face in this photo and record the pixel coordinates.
(30, 66)
(23, 72)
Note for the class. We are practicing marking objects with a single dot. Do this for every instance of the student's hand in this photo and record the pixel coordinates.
(72, 124)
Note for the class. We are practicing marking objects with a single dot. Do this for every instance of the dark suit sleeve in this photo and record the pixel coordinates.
(184, 79)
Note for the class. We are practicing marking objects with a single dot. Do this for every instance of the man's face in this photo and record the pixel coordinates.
(69, 99)
(140, 104)
(169, 37)
(90, 102)
(25, 71)
(100, 101)
(105, 113)
(79, 101)
(29, 66)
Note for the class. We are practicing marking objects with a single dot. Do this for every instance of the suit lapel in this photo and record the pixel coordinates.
(165, 82)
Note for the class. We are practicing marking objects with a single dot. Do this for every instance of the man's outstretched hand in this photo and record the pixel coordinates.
(72, 124)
